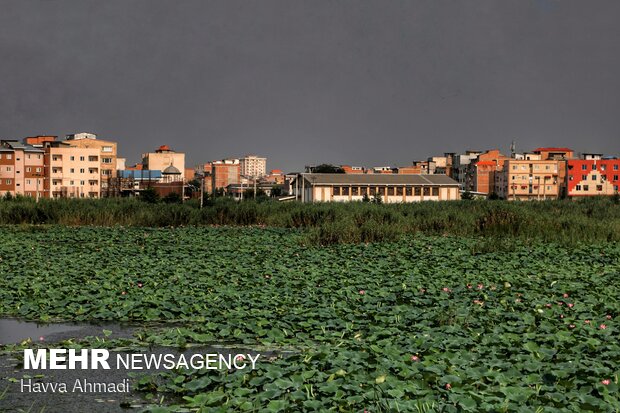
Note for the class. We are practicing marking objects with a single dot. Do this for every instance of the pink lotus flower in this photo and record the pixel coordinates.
(561, 315)
(587, 321)
(415, 358)
(548, 305)
(565, 295)
(469, 286)
(362, 292)
(608, 316)
(240, 357)
(124, 292)
(140, 285)
(446, 289)
(605, 382)
(602, 326)
(571, 326)
(422, 290)
(570, 305)
(448, 386)
(560, 303)
(480, 286)
(518, 300)
(478, 302)
(41, 338)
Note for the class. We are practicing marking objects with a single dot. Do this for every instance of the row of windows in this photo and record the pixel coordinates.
(533, 166)
(594, 177)
(386, 191)
(584, 167)
(72, 183)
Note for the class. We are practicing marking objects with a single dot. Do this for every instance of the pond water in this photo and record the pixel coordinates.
(14, 331)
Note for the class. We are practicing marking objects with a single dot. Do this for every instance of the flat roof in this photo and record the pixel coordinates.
(379, 179)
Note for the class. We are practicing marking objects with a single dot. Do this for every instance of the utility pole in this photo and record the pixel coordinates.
(202, 190)
(254, 178)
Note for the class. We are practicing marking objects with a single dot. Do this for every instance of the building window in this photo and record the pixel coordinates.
(72, 170)
(586, 188)
(390, 191)
(72, 158)
(9, 156)
(399, 190)
(106, 160)
(27, 181)
(82, 158)
(81, 170)
(594, 177)
(514, 167)
(364, 190)
(82, 183)
(56, 158)
(435, 191)
(599, 188)
(336, 191)
(584, 177)
(594, 167)
(345, 190)
(616, 188)
(355, 191)
(8, 182)
(615, 167)
(603, 167)
(578, 188)
(70, 182)
(570, 178)
(107, 149)
(584, 167)
(28, 169)
(8, 169)
(373, 191)
(615, 177)
(408, 191)
(417, 191)
(426, 191)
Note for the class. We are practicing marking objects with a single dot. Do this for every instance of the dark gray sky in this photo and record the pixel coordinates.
(348, 82)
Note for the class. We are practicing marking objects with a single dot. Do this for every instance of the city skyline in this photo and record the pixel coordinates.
(302, 83)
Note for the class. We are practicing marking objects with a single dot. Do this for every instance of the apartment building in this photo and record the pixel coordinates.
(21, 169)
(171, 163)
(391, 188)
(107, 156)
(71, 172)
(480, 175)
(224, 173)
(252, 166)
(527, 179)
(460, 165)
(593, 176)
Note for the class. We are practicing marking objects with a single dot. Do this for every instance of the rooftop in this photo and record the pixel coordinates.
(379, 179)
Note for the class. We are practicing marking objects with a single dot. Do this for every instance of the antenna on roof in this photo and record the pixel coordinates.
(513, 148)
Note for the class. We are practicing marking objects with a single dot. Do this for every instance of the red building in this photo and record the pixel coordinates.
(590, 177)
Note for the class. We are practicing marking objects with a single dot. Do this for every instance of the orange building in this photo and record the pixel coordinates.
(591, 177)
(225, 172)
(481, 174)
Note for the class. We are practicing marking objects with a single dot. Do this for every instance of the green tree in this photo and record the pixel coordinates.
(326, 168)
(150, 196)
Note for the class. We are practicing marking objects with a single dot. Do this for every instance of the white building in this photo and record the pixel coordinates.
(253, 166)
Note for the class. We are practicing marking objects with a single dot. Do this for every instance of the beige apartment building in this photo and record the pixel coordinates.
(252, 166)
(171, 163)
(107, 156)
(529, 179)
(72, 172)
